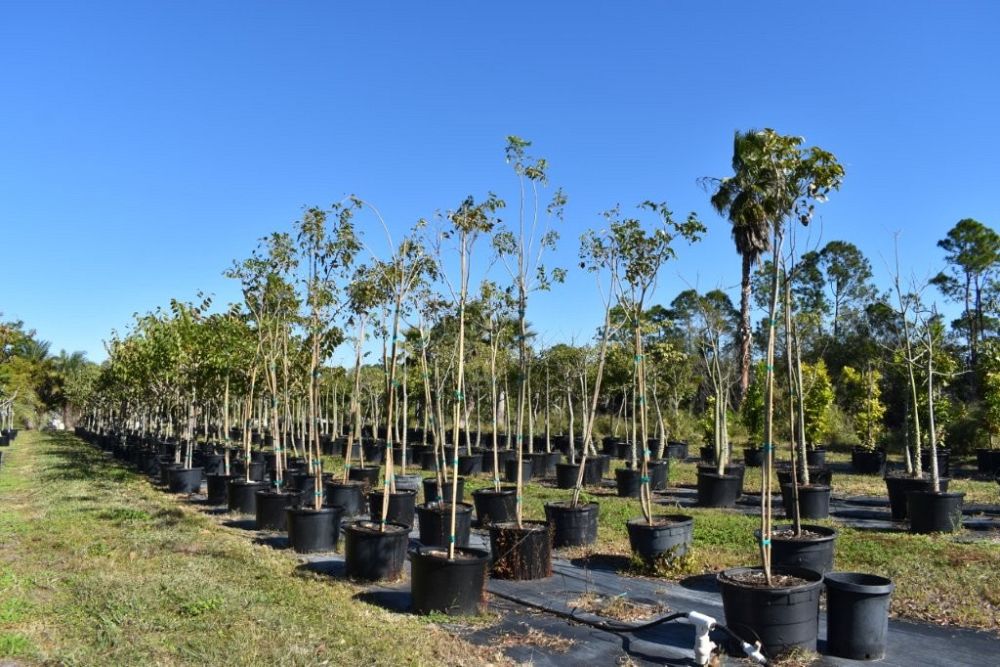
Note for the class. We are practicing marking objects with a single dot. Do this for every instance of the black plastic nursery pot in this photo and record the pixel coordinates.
(430, 485)
(243, 495)
(753, 457)
(943, 460)
(165, 468)
(572, 526)
(470, 464)
(813, 550)
(408, 482)
(503, 455)
(521, 553)
(213, 464)
(816, 456)
(593, 470)
(715, 490)
(566, 474)
(373, 552)
(899, 486)
(628, 482)
(987, 460)
(494, 506)
(311, 530)
(271, 506)
(368, 475)
(218, 489)
(257, 470)
(510, 470)
(454, 586)
(539, 465)
(814, 501)
(857, 615)
(931, 512)
(349, 496)
(668, 536)
(817, 475)
(184, 480)
(659, 474)
(434, 522)
(401, 507)
(706, 453)
(428, 460)
(867, 461)
(783, 617)
(677, 450)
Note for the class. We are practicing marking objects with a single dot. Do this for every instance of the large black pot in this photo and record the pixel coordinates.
(707, 453)
(566, 474)
(943, 460)
(931, 512)
(814, 553)
(716, 490)
(857, 615)
(988, 461)
(495, 506)
(629, 482)
(677, 450)
(242, 496)
(668, 537)
(368, 475)
(867, 461)
(271, 506)
(165, 468)
(470, 464)
(428, 460)
(737, 469)
(814, 501)
(349, 496)
(503, 455)
(817, 475)
(257, 470)
(431, 490)
(311, 530)
(214, 464)
(539, 464)
(572, 526)
(899, 486)
(510, 470)
(753, 457)
(783, 619)
(434, 522)
(816, 457)
(371, 554)
(402, 505)
(455, 586)
(521, 553)
(218, 489)
(184, 480)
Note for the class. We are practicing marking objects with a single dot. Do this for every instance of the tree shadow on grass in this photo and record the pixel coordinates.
(76, 461)
(331, 567)
(273, 541)
(391, 600)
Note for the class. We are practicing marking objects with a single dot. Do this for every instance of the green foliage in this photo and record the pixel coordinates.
(752, 407)
(818, 399)
(862, 394)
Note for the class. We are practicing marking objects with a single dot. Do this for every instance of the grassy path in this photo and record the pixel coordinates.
(99, 568)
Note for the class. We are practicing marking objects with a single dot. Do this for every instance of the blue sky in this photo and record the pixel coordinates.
(146, 145)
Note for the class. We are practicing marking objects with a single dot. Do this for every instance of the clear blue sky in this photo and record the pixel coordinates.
(145, 145)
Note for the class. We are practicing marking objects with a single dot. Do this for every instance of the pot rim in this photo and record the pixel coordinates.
(813, 579)
(676, 520)
(872, 584)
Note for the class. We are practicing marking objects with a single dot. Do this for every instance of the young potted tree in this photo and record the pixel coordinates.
(863, 398)
(775, 179)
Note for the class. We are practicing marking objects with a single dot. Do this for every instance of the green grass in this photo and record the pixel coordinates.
(99, 568)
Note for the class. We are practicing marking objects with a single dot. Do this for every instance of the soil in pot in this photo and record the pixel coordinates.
(271, 506)
(900, 484)
(371, 554)
(455, 586)
(348, 496)
(667, 537)
(931, 512)
(311, 530)
(814, 501)
(430, 485)
(716, 490)
(242, 496)
(812, 550)
(218, 489)
(857, 615)
(401, 507)
(784, 616)
(495, 506)
(434, 523)
(572, 526)
(521, 553)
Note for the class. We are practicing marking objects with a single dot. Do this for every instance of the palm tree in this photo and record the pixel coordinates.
(743, 198)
